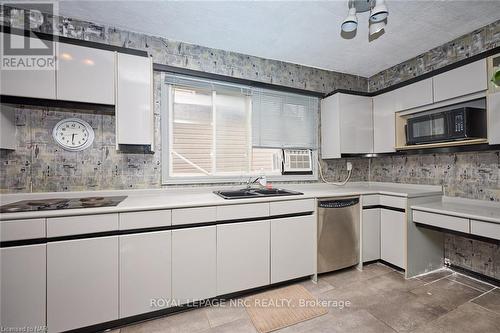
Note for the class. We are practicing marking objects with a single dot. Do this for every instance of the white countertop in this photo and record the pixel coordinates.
(168, 198)
(472, 209)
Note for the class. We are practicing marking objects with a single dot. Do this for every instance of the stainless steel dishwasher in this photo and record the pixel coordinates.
(338, 233)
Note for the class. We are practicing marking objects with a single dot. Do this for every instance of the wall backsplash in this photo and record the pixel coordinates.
(38, 164)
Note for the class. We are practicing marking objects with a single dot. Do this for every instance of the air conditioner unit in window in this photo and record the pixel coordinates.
(297, 161)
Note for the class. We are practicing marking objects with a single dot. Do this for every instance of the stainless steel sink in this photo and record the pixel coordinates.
(255, 193)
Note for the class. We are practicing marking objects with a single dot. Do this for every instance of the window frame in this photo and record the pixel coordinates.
(166, 104)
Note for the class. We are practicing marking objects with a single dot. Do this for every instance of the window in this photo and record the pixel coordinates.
(209, 131)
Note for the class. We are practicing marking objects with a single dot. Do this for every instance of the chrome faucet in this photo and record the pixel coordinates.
(250, 182)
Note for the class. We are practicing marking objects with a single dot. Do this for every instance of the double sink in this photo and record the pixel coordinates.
(255, 193)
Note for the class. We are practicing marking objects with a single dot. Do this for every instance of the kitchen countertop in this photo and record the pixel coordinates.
(472, 209)
(172, 197)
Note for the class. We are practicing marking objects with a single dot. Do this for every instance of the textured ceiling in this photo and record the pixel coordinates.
(301, 32)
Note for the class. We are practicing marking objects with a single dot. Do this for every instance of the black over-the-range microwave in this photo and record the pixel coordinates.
(457, 124)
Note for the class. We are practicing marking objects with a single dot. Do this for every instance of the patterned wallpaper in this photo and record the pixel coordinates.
(483, 39)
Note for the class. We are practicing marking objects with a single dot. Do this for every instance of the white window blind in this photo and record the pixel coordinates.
(284, 120)
(210, 131)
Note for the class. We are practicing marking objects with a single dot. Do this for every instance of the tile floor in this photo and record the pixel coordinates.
(381, 300)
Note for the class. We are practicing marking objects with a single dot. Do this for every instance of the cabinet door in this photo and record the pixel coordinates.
(356, 124)
(36, 83)
(461, 81)
(7, 127)
(330, 127)
(145, 272)
(392, 237)
(493, 102)
(293, 247)
(134, 111)
(22, 276)
(243, 254)
(384, 128)
(371, 234)
(194, 264)
(82, 283)
(85, 74)
(413, 95)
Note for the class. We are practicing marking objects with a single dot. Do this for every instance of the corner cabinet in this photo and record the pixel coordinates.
(346, 125)
(392, 237)
(134, 99)
(384, 123)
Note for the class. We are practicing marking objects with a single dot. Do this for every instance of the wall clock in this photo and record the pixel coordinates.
(73, 134)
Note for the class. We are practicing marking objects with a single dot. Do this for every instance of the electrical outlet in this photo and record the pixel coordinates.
(349, 166)
(447, 262)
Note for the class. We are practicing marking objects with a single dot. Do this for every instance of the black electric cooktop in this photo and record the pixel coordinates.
(60, 203)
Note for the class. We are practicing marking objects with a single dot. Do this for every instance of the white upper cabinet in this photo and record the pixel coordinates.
(413, 95)
(356, 121)
(493, 102)
(346, 125)
(461, 81)
(36, 83)
(384, 128)
(85, 74)
(7, 127)
(134, 111)
(330, 127)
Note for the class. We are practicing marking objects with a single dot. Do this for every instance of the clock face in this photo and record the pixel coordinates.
(73, 134)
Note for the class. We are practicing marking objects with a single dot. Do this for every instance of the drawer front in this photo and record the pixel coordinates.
(22, 229)
(75, 225)
(390, 201)
(145, 219)
(292, 207)
(237, 212)
(442, 221)
(485, 229)
(194, 215)
(370, 200)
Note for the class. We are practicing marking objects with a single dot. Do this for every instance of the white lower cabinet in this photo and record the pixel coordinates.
(371, 234)
(23, 278)
(392, 237)
(293, 247)
(82, 283)
(145, 272)
(243, 254)
(194, 264)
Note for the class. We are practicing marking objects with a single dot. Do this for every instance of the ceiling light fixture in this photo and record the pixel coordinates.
(377, 20)
(351, 21)
(379, 12)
